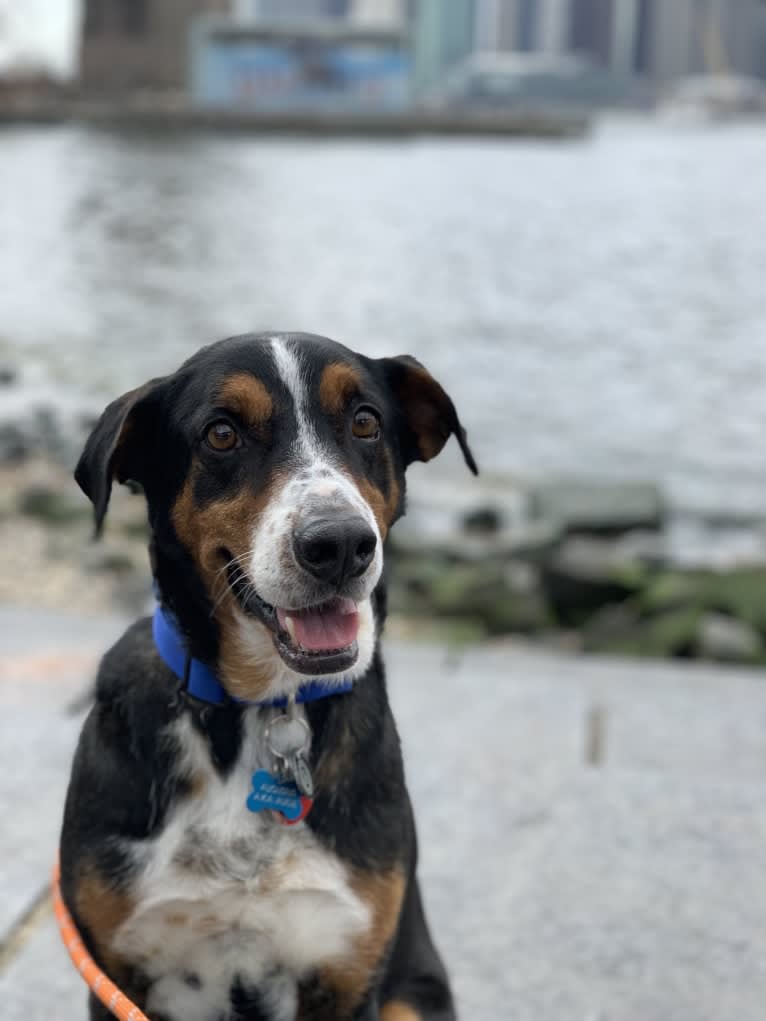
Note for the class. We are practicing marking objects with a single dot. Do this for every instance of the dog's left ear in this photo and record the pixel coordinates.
(119, 446)
(428, 416)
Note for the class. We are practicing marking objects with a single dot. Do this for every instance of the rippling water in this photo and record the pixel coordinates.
(596, 307)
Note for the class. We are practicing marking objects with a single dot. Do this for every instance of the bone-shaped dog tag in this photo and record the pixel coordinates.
(282, 797)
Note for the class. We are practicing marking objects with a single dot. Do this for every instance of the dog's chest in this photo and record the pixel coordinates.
(225, 894)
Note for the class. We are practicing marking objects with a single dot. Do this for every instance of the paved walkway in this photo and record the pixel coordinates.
(593, 832)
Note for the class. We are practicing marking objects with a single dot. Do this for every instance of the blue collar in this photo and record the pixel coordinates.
(201, 683)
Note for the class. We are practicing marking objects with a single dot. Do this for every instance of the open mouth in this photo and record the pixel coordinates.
(318, 639)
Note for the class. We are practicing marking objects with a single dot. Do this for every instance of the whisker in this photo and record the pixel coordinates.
(243, 585)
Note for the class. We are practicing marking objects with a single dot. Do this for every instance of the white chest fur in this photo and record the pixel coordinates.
(226, 893)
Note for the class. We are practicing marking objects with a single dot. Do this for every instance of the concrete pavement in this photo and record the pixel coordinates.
(593, 832)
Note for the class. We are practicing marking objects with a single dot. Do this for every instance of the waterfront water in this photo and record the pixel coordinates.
(595, 307)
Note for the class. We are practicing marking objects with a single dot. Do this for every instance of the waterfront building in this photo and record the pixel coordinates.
(443, 36)
(300, 66)
(138, 44)
(496, 25)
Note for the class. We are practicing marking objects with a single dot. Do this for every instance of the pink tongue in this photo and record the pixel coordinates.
(318, 630)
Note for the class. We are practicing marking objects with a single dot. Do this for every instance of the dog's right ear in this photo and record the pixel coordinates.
(118, 447)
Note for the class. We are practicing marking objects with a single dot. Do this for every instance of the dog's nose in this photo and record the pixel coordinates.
(335, 549)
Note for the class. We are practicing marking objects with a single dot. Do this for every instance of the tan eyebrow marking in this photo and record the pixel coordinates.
(338, 383)
(247, 397)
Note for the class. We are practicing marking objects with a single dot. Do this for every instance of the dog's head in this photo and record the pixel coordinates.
(273, 466)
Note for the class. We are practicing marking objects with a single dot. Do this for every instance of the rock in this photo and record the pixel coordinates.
(493, 595)
(496, 596)
(8, 376)
(737, 593)
(584, 575)
(740, 593)
(621, 630)
(697, 614)
(16, 445)
(483, 520)
(54, 439)
(110, 561)
(724, 638)
(51, 505)
(596, 507)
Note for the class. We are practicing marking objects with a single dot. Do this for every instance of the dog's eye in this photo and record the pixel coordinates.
(366, 424)
(222, 436)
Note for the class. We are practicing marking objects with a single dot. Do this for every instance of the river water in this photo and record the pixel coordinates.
(595, 307)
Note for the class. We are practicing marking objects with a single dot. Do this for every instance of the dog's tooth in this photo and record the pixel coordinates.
(290, 627)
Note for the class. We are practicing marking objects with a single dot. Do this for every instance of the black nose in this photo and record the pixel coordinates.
(335, 549)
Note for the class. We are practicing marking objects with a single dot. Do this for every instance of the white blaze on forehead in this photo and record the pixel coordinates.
(317, 479)
(288, 365)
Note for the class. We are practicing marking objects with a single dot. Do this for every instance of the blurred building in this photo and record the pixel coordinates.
(443, 35)
(288, 10)
(300, 65)
(527, 26)
(663, 39)
(135, 44)
(496, 25)
(386, 51)
(379, 12)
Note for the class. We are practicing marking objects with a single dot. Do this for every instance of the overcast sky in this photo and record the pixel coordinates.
(39, 33)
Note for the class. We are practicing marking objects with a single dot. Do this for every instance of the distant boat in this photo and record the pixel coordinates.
(715, 97)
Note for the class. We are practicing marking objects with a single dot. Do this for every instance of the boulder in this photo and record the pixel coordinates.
(498, 597)
(16, 444)
(597, 507)
(725, 638)
(484, 520)
(621, 630)
(585, 574)
(51, 504)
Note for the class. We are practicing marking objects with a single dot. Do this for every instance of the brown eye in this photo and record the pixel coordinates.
(222, 436)
(366, 424)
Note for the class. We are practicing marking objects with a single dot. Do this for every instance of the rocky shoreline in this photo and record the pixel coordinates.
(576, 564)
(596, 566)
(581, 563)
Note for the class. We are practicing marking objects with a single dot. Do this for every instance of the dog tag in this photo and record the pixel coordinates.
(279, 796)
(301, 774)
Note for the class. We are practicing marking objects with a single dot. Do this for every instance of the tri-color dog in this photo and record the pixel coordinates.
(238, 842)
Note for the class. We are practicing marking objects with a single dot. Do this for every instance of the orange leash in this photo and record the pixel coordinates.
(100, 985)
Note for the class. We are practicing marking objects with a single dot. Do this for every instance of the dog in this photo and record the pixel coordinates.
(238, 842)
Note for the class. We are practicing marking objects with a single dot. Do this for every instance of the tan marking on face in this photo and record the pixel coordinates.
(398, 1010)
(383, 893)
(227, 523)
(337, 386)
(247, 397)
(383, 507)
(102, 909)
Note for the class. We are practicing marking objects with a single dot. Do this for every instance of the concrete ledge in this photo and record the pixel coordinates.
(593, 832)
